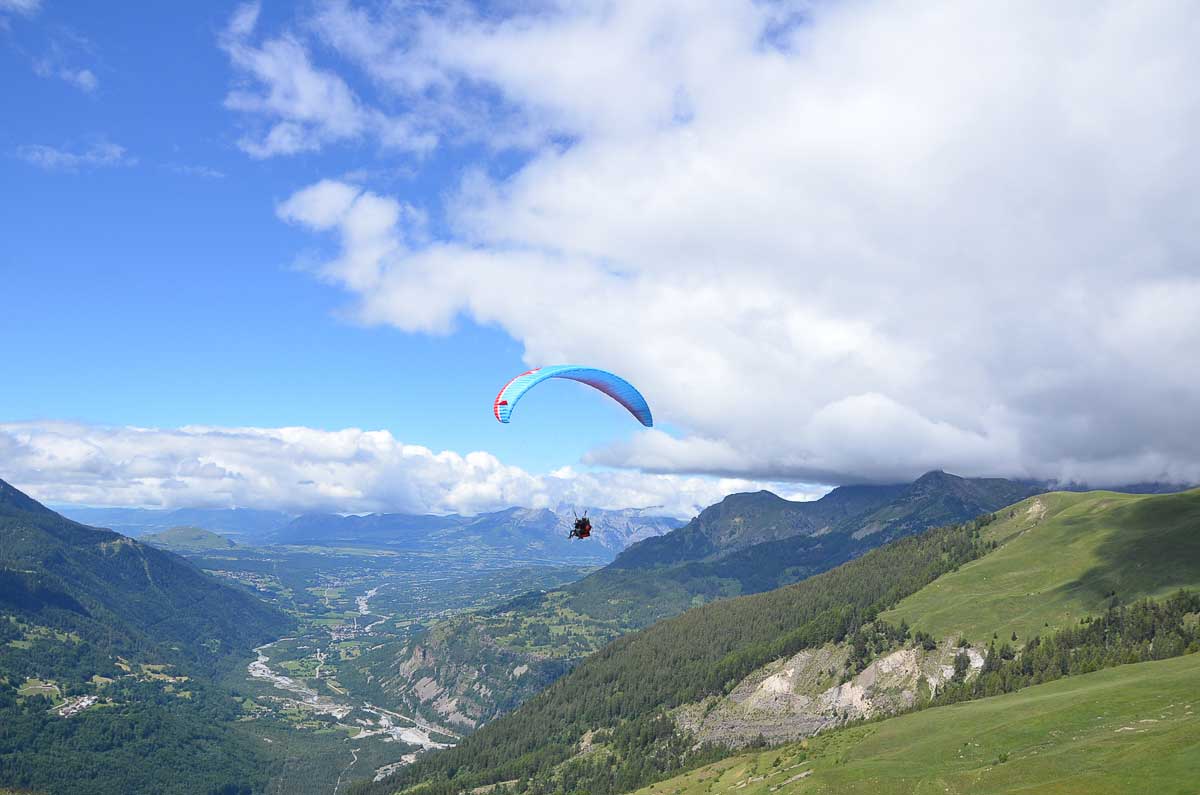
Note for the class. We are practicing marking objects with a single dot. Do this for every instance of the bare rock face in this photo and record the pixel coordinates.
(800, 696)
(457, 676)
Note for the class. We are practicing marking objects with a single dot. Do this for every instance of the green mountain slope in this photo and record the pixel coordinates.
(102, 584)
(622, 699)
(700, 653)
(110, 651)
(1060, 558)
(190, 538)
(750, 543)
(1063, 556)
(741, 521)
(1130, 729)
(747, 543)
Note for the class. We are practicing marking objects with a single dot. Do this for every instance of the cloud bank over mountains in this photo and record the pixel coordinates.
(301, 469)
(831, 242)
(835, 242)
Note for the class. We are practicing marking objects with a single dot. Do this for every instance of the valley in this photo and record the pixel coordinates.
(314, 693)
(210, 666)
(343, 667)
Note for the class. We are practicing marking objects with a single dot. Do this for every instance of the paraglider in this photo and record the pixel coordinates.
(582, 528)
(614, 386)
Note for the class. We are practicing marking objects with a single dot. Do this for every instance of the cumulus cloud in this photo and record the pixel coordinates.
(98, 155)
(304, 469)
(852, 244)
(300, 106)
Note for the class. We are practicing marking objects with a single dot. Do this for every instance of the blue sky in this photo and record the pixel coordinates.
(832, 243)
(163, 290)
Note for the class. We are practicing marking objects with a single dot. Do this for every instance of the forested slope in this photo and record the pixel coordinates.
(627, 685)
(109, 655)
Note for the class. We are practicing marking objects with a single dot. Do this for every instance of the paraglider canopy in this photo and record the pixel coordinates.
(614, 386)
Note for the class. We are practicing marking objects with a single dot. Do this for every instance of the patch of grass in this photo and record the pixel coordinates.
(1062, 556)
(1133, 728)
(40, 687)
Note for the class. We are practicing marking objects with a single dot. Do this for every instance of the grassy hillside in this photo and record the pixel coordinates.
(190, 538)
(625, 686)
(1063, 556)
(1128, 729)
(1047, 560)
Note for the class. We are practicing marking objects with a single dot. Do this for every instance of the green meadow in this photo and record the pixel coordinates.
(1128, 729)
(1063, 556)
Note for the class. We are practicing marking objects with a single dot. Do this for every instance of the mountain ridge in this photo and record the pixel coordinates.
(795, 540)
(133, 642)
(536, 532)
(622, 698)
(150, 594)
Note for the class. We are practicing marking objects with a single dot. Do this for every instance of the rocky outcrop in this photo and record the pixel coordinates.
(456, 674)
(802, 695)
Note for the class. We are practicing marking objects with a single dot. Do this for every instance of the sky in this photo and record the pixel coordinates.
(283, 255)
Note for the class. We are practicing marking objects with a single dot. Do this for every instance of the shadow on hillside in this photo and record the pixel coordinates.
(1154, 547)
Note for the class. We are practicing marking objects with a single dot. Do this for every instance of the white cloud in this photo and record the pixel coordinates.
(95, 156)
(61, 53)
(83, 79)
(191, 170)
(300, 469)
(300, 106)
(888, 238)
(24, 7)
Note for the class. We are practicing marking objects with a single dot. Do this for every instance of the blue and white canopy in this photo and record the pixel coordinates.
(614, 386)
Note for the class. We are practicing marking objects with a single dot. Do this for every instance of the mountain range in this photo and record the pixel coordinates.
(523, 533)
(747, 543)
(1057, 585)
(530, 534)
(245, 525)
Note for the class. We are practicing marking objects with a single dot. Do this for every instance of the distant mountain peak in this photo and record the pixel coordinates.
(936, 476)
(749, 498)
